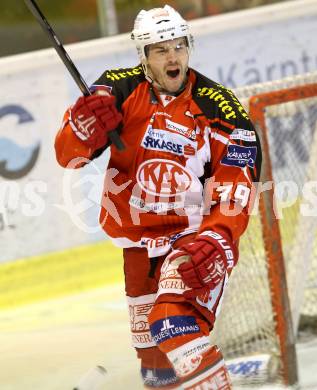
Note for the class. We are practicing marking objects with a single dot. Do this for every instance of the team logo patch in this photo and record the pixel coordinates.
(172, 327)
(243, 135)
(240, 156)
(163, 178)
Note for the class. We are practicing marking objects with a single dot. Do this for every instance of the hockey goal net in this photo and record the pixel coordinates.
(273, 291)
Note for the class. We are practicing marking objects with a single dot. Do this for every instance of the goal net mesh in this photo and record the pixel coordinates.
(247, 324)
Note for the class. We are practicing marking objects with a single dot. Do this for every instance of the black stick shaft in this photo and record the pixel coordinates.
(33, 7)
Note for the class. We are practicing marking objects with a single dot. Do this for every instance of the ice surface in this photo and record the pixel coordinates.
(51, 345)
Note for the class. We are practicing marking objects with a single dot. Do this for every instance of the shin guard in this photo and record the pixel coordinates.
(182, 334)
(200, 371)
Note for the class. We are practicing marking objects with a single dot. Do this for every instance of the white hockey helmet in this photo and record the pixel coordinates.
(158, 25)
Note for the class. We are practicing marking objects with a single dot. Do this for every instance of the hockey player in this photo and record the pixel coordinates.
(176, 199)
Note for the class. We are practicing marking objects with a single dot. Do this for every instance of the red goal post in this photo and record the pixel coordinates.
(267, 251)
(271, 231)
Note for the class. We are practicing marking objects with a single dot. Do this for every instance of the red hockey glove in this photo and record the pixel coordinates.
(93, 117)
(210, 256)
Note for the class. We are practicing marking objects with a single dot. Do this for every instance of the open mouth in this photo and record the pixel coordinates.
(173, 74)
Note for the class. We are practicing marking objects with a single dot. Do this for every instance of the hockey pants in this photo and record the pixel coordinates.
(170, 333)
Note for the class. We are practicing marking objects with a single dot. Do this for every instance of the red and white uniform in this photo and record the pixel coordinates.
(157, 187)
(185, 158)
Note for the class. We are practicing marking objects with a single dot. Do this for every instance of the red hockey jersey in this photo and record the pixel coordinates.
(188, 161)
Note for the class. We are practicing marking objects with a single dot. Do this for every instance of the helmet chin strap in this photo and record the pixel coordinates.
(156, 84)
(146, 72)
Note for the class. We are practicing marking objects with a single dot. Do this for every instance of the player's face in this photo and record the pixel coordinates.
(168, 62)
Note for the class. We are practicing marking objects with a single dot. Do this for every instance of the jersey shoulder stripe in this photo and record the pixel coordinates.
(122, 81)
(215, 100)
(124, 74)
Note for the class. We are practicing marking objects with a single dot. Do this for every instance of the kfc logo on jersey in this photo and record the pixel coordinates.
(163, 178)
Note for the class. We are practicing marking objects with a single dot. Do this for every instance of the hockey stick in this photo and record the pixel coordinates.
(33, 7)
